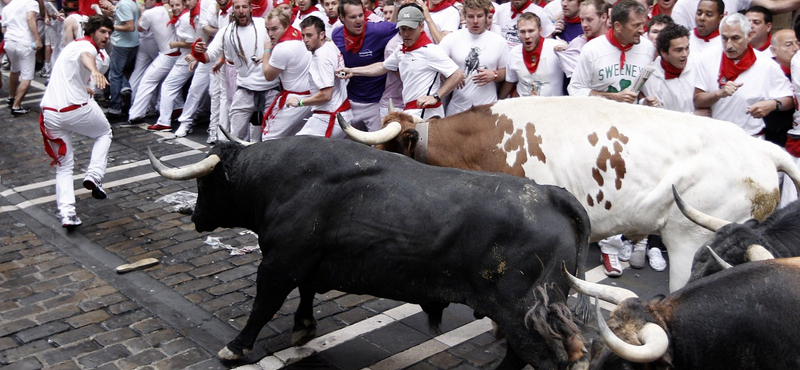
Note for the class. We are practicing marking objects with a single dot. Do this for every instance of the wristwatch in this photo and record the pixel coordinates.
(436, 96)
(778, 104)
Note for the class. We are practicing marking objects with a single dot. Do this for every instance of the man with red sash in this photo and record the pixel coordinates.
(68, 107)
(287, 60)
(569, 27)
(706, 35)
(761, 23)
(743, 85)
(420, 63)
(672, 82)
(305, 9)
(332, 13)
(506, 18)
(328, 94)
(363, 43)
(533, 67)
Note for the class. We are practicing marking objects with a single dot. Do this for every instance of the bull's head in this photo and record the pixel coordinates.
(733, 243)
(398, 135)
(216, 195)
(633, 338)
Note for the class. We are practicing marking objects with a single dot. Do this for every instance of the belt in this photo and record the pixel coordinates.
(413, 105)
(332, 121)
(277, 105)
(66, 109)
(174, 54)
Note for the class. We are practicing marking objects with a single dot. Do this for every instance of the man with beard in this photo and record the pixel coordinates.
(68, 107)
(506, 18)
(569, 27)
(706, 35)
(242, 44)
(594, 22)
(742, 78)
(533, 67)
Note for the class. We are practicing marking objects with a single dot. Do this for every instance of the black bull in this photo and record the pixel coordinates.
(333, 214)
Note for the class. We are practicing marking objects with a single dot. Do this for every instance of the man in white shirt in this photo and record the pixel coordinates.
(22, 40)
(68, 107)
(218, 18)
(328, 93)
(480, 54)
(706, 35)
(761, 23)
(441, 18)
(287, 60)
(594, 21)
(672, 82)
(305, 9)
(332, 12)
(533, 67)
(147, 52)
(506, 18)
(743, 86)
(419, 62)
(684, 11)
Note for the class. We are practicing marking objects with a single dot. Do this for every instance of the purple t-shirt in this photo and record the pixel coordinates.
(571, 31)
(362, 89)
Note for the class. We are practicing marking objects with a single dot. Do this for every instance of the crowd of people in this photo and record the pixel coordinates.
(266, 69)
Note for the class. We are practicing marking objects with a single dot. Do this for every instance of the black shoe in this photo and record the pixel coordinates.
(136, 122)
(96, 188)
(116, 117)
(125, 101)
(20, 110)
(10, 102)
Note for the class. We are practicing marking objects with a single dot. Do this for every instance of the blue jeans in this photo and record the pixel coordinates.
(122, 62)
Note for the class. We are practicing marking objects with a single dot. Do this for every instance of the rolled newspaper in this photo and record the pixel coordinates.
(644, 74)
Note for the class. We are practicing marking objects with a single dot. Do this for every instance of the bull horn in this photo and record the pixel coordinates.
(757, 252)
(199, 169)
(607, 293)
(391, 106)
(234, 138)
(709, 222)
(721, 262)
(653, 338)
(381, 136)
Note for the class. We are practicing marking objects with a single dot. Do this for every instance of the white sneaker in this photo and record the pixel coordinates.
(212, 136)
(657, 261)
(70, 221)
(625, 250)
(184, 129)
(611, 264)
(638, 255)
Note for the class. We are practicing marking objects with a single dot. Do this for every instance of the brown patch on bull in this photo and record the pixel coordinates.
(598, 177)
(517, 143)
(534, 143)
(602, 158)
(497, 272)
(613, 133)
(593, 138)
(608, 205)
(762, 201)
(599, 196)
(589, 200)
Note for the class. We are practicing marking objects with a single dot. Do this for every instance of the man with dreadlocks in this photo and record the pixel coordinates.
(242, 42)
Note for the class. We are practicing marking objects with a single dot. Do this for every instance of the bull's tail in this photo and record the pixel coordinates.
(551, 318)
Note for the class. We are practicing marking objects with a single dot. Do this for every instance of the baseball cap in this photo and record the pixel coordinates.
(409, 16)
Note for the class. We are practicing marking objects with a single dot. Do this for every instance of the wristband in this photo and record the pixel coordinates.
(267, 51)
(495, 76)
(300, 103)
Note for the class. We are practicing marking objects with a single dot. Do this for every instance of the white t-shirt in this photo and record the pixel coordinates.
(329, 27)
(251, 41)
(796, 87)
(15, 20)
(69, 79)
(76, 18)
(420, 70)
(324, 63)
(764, 80)
(684, 11)
(155, 20)
(447, 19)
(699, 46)
(314, 13)
(470, 53)
(548, 79)
(676, 94)
(552, 9)
(186, 33)
(568, 58)
(208, 16)
(598, 66)
(508, 26)
(292, 57)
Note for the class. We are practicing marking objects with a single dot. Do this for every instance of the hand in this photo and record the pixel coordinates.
(39, 44)
(192, 64)
(258, 60)
(729, 89)
(99, 80)
(292, 101)
(425, 12)
(559, 26)
(217, 66)
(189, 58)
(199, 47)
(426, 101)
(561, 46)
(626, 96)
(344, 73)
(762, 108)
(90, 91)
(651, 101)
(483, 77)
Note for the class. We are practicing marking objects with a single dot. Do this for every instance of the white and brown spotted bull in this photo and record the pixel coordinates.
(619, 160)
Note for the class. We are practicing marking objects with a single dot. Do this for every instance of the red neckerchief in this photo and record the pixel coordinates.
(766, 44)
(533, 58)
(368, 13)
(353, 43)
(175, 19)
(157, 4)
(290, 34)
(707, 38)
(307, 11)
(515, 12)
(729, 71)
(332, 20)
(670, 71)
(440, 6)
(421, 41)
(224, 10)
(786, 70)
(88, 38)
(541, 3)
(194, 13)
(623, 48)
(258, 8)
(573, 20)
(656, 11)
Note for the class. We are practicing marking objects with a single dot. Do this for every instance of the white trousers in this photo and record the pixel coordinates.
(366, 116)
(153, 75)
(170, 89)
(198, 89)
(242, 108)
(146, 53)
(319, 124)
(287, 122)
(90, 121)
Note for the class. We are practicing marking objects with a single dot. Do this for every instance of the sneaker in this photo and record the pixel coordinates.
(158, 127)
(125, 100)
(184, 129)
(43, 73)
(70, 221)
(20, 110)
(96, 188)
(625, 250)
(637, 257)
(212, 136)
(657, 261)
(611, 264)
(10, 102)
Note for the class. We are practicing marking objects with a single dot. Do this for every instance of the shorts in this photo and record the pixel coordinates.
(22, 59)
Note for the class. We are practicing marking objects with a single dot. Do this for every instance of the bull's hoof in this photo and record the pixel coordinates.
(301, 336)
(228, 355)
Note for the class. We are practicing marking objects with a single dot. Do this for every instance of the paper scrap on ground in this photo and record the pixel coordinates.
(215, 243)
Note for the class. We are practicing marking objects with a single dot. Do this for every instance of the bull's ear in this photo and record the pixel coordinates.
(408, 140)
(667, 359)
(751, 223)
